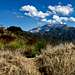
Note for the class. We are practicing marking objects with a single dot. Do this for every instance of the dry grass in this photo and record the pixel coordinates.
(58, 60)
(16, 64)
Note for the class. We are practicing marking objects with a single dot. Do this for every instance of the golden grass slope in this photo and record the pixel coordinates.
(57, 60)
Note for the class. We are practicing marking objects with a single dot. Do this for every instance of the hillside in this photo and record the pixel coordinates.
(41, 53)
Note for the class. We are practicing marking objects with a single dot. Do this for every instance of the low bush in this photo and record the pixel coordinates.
(38, 47)
(16, 44)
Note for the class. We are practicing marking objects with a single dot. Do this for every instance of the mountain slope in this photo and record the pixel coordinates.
(56, 33)
(47, 28)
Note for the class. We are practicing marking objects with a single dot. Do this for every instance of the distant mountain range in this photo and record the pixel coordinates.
(49, 27)
(56, 33)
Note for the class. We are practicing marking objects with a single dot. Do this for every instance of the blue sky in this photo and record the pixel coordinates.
(32, 13)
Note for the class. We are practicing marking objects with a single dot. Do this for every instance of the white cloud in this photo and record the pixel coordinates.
(51, 21)
(32, 11)
(63, 19)
(44, 20)
(72, 19)
(57, 19)
(64, 10)
(69, 19)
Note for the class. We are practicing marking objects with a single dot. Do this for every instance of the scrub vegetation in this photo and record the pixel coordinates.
(25, 53)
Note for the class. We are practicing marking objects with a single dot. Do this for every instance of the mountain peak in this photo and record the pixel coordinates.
(47, 28)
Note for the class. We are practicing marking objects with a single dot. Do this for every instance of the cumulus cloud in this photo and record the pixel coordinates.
(57, 19)
(72, 19)
(32, 11)
(51, 21)
(44, 20)
(53, 13)
(63, 19)
(64, 10)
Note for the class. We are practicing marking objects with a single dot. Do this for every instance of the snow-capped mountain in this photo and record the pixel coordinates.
(47, 28)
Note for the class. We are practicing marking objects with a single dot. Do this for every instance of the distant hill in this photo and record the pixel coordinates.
(15, 38)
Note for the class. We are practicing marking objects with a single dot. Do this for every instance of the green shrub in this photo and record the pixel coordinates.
(38, 46)
(1, 45)
(16, 44)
